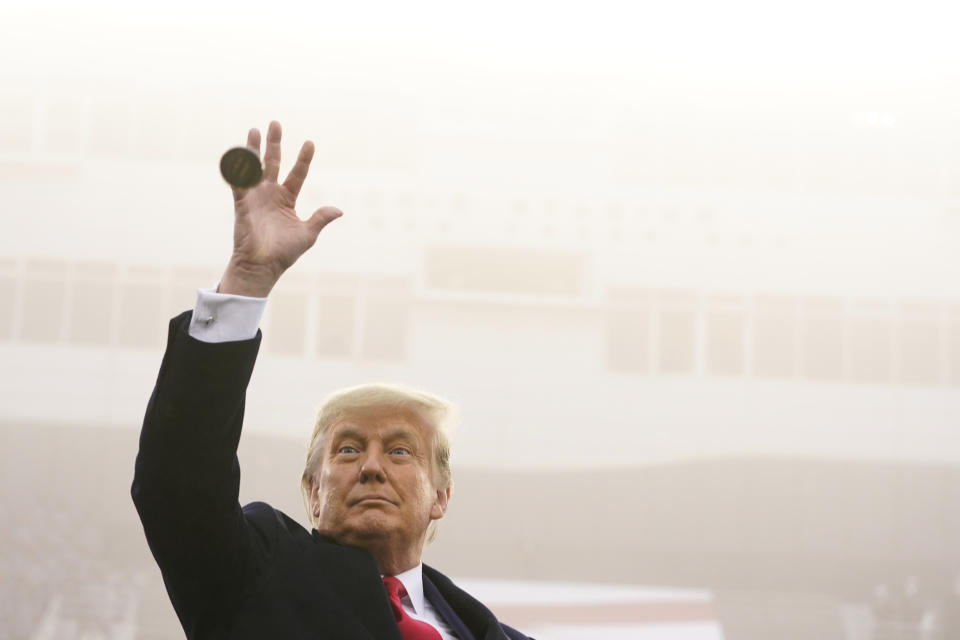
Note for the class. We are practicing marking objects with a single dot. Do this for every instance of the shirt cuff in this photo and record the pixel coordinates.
(225, 317)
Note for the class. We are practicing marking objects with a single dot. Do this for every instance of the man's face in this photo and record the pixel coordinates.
(376, 481)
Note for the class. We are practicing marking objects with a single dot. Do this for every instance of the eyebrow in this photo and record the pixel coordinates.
(400, 432)
(341, 433)
(348, 432)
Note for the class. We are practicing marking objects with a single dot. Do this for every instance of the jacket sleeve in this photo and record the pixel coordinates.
(187, 477)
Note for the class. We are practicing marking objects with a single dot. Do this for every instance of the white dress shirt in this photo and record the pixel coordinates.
(224, 317)
(416, 604)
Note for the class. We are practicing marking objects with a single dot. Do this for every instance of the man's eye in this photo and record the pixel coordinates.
(403, 451)
(347, 449)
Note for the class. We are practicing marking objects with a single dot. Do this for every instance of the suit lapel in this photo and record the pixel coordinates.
(465, 614)
(445, 611)
(352, 574)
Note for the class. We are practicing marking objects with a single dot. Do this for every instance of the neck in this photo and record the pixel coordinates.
(393, 554)
(392, 560)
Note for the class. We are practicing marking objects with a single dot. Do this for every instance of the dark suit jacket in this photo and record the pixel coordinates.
(252, 572)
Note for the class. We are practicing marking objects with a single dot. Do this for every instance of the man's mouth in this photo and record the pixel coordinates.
(371, 499)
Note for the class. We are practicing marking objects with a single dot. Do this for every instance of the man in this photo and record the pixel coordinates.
(376, 480)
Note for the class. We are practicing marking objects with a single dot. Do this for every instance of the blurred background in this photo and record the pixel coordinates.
(690, 270)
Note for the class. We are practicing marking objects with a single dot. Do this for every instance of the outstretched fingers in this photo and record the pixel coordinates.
(253, 143)
(298, 173)
(253, 140)
(271, 157)
(322, 217)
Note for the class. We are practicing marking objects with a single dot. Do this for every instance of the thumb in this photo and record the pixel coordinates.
(322, 217)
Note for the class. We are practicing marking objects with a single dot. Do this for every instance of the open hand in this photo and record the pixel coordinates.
(268, 235)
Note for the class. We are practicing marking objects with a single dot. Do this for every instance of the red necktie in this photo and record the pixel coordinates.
(410, 628)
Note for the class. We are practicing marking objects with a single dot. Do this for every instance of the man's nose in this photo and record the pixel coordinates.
(371, 466)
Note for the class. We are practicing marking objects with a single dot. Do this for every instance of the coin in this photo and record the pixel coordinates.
(241, 168)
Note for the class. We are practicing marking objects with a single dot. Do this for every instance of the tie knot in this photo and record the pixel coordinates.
(410, 628)
(394, 587)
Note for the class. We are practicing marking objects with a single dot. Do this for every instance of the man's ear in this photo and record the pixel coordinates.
(440, 504)
(314, 500)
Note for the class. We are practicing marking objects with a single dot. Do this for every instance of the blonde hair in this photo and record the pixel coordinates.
(436, 413)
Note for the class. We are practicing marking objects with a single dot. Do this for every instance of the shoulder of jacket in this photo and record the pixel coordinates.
(272, 523)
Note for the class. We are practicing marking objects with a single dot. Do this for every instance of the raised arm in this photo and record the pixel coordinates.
(187, 477)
